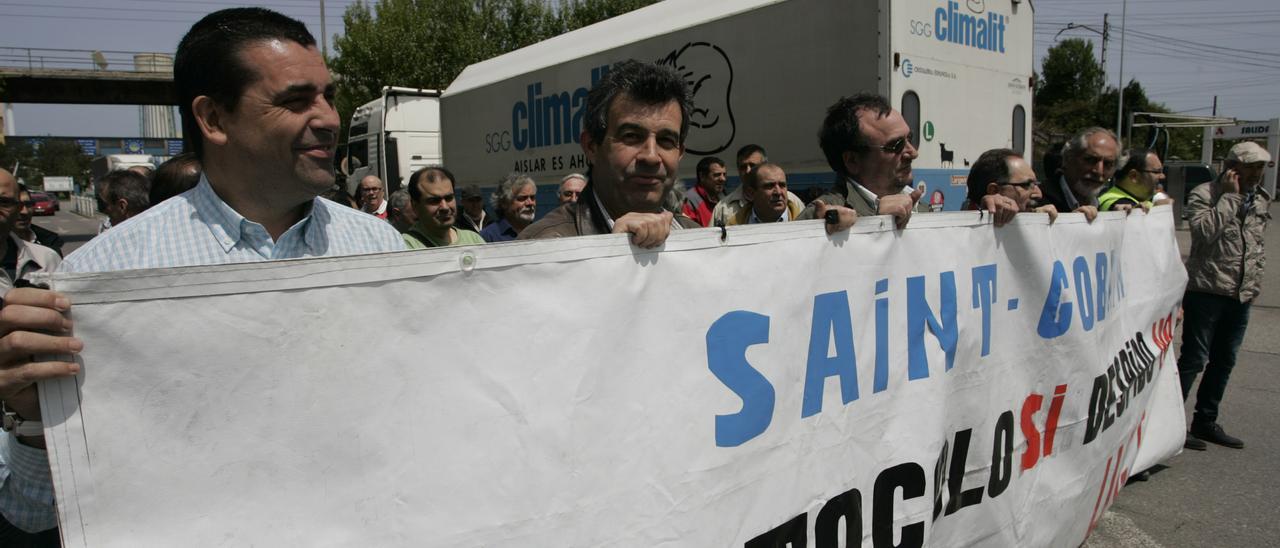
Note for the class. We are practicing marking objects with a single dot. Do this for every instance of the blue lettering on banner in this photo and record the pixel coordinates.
(551, 119)
(919, 314)
(957, 27)
(727, 343)
(831, 322)
(1087, 291)
(173, 146)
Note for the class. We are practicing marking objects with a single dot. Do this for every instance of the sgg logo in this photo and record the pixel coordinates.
(497, 141)
(921, 28)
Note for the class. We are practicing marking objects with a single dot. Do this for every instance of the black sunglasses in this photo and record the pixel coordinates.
(895, 146)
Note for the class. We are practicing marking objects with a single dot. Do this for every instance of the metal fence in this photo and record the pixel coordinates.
(79, 59)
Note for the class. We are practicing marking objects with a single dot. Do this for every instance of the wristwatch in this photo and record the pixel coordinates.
(18, 426)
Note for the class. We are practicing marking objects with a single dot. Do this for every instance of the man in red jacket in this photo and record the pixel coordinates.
(700, 201)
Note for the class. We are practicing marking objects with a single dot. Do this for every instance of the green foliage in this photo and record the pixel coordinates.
(53, 157)
(1070, 96)
(426, 43)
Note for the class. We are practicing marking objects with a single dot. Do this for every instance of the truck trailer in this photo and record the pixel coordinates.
(763, 72)
(392, 136)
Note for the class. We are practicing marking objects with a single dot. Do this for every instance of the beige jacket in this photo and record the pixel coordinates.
(1227, 256)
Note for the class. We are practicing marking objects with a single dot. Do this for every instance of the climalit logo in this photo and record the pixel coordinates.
(950, 24)
(907, 68)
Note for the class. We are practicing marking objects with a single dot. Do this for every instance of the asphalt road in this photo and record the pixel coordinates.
(74, 229)
(1220, 497)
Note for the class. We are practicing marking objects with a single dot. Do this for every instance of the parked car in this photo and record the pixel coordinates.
(43, 204)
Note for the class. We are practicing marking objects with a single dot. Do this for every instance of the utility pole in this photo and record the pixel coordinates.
(1106, 37)
(1124, 13)
(1215, 105)
(324, 34)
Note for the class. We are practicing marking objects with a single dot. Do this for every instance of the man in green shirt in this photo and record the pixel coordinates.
(1135, 182)
(432, 198)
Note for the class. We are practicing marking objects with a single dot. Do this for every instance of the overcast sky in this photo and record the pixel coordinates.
(1183, 51)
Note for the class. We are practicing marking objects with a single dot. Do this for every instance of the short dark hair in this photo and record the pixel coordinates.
(175, 176)
(1134, 159)
(208, 60)
(432, 174)
(991, 166)
(840, 131)
(1051, 164)
(704, 165)
(643, 82)
(133, 187)
(748, 150)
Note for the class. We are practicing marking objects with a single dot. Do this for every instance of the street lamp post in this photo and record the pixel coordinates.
(1120, 78)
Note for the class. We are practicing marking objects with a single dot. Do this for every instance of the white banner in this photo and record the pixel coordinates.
(952, 384)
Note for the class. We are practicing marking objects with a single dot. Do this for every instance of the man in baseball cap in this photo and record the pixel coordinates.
(1228, 218)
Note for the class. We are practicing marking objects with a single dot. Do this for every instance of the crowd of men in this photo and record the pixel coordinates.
(257, 102)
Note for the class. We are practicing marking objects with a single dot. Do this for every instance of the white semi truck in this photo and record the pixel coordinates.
(393, 135)
(762, 71)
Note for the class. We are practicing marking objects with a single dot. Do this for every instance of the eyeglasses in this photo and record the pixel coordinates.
(895, 146)
(435, 200)
(1153, 171)
(373, 189)
(10, 202)
(1025, 185)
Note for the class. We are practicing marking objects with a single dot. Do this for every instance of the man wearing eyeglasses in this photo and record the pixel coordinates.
(19, 258)
(1002, 183)
(1088, 162)
(431, 192)
(571, 187)
(370, 196)
(868, 144)
(1140, 174)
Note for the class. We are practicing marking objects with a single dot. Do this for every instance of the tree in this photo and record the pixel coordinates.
(426, 43)
(1069, 73)
(52, 157)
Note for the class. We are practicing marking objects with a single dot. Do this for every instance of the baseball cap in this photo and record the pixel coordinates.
(470, 191)
(1248, 152)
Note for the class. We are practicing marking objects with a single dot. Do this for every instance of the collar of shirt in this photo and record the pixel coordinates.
(1067, 196)
(229, 228)
(382, 208)
(869, 196)
(786, 216)
(478, 223)
(608, 219)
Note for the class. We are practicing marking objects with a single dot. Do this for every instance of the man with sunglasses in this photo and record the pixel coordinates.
(1136, 182)
(1088, 162)
(18, 257)
(868, 144)
(431, 193)
(1002, 183)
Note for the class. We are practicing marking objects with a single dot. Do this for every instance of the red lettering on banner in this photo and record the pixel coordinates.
(1051, 423)
(1032, 454)
(1040, 445)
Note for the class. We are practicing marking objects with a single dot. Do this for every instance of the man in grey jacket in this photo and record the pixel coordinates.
(1227, 219)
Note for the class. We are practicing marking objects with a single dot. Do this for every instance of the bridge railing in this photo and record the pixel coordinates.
(91, 60)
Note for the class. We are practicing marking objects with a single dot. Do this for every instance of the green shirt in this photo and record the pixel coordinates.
(1107, 200)
(416, 238)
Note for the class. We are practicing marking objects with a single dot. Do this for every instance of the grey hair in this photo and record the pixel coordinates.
(398, 199)
(1080, 141)
(505, 194)
(573, 176)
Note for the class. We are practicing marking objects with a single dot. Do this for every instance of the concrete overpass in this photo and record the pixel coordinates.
(30, 75)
